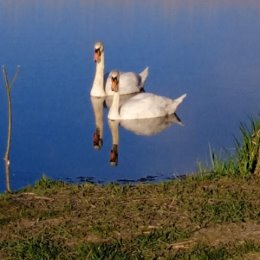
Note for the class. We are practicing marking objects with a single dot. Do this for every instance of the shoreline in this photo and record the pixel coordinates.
(178, 219)
(213, 214)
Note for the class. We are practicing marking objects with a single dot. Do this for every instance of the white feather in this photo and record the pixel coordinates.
(130, 82)
(143, 105)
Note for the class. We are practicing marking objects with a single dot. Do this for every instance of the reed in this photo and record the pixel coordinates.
(243, 162)
(248, 149)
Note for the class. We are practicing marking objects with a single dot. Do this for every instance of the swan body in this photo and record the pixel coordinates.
(142, 105)
(123, 99)
(130, 82)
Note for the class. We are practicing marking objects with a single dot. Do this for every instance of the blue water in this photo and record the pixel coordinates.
(207, 49)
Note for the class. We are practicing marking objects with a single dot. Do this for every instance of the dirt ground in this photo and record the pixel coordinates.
(221, 212)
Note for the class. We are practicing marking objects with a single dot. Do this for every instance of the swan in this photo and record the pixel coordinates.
(142, 105)
(130, 82)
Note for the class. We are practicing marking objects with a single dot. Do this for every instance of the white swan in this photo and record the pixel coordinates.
(130, 82)
(142, 105)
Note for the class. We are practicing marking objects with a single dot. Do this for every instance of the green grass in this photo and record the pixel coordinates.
(230, 251)
(214, 214)
(244, 160)
(140, 248)
(143, 221)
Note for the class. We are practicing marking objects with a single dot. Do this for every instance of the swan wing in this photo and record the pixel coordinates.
(129, 82)
(144, 105)
(148, 105)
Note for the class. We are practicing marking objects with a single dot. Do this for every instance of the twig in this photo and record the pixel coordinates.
(15, 76)
(9, 133)
(28, 194)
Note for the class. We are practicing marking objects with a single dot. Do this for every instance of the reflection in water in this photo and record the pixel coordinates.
(150, 126)
(97, 105)
(113, 125)
(145, 127)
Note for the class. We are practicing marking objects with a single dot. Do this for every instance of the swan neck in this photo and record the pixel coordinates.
(98, 83)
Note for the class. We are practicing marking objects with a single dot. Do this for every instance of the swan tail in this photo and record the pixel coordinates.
(181, 98)
(144, 74)
(176, 102)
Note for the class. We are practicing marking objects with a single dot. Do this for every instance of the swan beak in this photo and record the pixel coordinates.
(97, 55)
(97, 141)
(114, 85)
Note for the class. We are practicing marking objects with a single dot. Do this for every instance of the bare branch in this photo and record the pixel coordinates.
(9, 130)
(5, 78)
(15, 75)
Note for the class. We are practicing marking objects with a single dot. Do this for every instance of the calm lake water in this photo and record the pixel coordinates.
(207, 49)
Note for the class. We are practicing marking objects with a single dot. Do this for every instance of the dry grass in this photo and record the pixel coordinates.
(171, 217)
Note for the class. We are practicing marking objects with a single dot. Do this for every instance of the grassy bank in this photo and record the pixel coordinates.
(213, 214)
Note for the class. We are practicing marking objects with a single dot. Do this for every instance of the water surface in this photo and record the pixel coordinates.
(207, 49)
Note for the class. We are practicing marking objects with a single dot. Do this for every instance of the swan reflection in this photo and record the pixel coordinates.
(98, 106)
(150, 126)
(113, 125)
(145, 127)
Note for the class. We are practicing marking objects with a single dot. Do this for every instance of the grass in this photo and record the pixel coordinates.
(214, 214)
(244, 161)
(144, 221)
(119, 250)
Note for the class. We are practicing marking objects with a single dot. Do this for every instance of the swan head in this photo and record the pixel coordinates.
(97, 140)
(98, 51)
(115, 80)
(114, 155)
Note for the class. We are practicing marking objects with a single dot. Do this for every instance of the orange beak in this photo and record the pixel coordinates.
(114, 84)
(97, 56)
